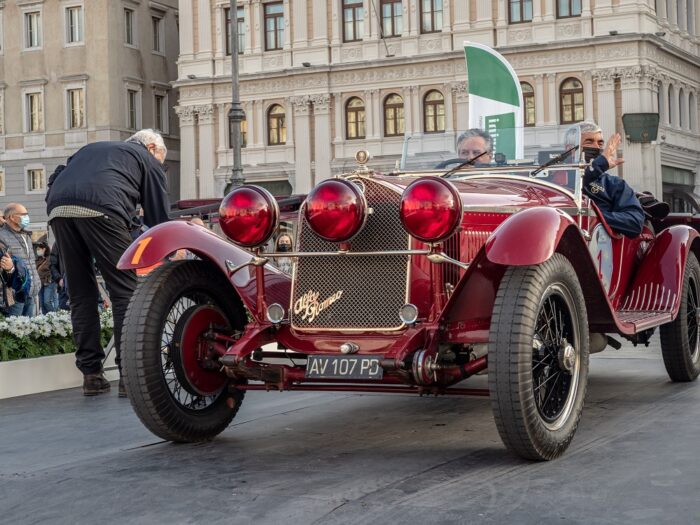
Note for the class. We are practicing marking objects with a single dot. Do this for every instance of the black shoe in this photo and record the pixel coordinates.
(122, 388)
(94, 384)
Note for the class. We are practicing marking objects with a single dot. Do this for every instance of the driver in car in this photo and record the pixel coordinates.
(613, 196)
(473, 143)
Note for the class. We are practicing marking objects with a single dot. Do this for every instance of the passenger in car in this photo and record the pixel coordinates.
(473, 143)
(613, 196)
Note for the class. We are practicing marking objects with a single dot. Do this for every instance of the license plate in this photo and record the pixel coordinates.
(344, 367)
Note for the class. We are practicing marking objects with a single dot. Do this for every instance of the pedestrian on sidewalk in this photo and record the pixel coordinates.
(48, 294)
(90, 203)
(15, 236)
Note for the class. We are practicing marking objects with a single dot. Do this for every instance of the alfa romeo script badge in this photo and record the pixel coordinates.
(309, 306)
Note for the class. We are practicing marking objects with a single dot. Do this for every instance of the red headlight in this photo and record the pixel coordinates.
(431, 209)
(249, 215)
(336, 210)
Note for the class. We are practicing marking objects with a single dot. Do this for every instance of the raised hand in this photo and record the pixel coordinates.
(610, 151)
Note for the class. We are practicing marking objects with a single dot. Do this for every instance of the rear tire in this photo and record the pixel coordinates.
(175, 397)
(538, 358)
(679, 339)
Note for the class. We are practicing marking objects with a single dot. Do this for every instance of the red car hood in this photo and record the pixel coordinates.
(503, 192)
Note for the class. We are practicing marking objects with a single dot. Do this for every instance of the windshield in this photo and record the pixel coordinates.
(507, 151)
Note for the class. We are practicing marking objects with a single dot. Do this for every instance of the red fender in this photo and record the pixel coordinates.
(527, 237)
(659, 280)
(162, 240)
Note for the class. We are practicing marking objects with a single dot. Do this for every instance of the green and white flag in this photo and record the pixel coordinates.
(495, 99)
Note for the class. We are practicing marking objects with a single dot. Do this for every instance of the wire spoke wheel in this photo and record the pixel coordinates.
(538, 358)
(680, 339)
(171, 370)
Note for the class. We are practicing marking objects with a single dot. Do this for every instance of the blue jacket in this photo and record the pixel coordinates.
(615, 198)
(19, 281)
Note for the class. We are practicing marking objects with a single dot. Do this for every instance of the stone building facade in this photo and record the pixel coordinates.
(310, 64)
(78, 71)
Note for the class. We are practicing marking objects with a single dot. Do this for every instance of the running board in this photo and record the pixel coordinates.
(639, 320)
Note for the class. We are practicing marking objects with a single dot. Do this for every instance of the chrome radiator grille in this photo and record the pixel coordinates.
(354, 292)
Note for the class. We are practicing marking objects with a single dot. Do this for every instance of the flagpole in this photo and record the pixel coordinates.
(236, 114)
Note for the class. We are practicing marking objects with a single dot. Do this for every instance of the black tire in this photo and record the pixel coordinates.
(151, 339)
(525, 357)
(679, 339)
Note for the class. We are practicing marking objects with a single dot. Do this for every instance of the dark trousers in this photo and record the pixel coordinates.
(81, 240)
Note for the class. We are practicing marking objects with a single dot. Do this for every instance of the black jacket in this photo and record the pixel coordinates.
(112, 177)
(615, 198)
(55, 264)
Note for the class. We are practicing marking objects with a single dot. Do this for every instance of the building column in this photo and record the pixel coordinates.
(302, 150)
(320, 22)
(682, 16)
(661, 14)
(188, 180)
(539, 100)
(204, 28)
(338, 116)
(459, 91)
(640, 169)
(413, 19)
(322, 136)
(449, 117)
(299, 24)
(258, 22)
(207, 155)
(461, 22)
(549, 9)
(605, 80)
(552, 99)
(186, 31)
(587, 95)
(537, 10)
(376, 113)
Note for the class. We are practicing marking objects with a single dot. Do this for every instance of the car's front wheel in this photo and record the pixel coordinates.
(538, 358)
(680, 339)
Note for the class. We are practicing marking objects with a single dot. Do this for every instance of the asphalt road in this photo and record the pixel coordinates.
(335, 458)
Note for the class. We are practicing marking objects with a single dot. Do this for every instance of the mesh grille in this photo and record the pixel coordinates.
(373, 287)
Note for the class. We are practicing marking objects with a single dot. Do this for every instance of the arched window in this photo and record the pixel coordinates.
(671, 106)
(693, 109)
(528, 104)
(571, 101)
(276, 127)
(682, 108)
(393, 116)
(434, 112)
(355, 119)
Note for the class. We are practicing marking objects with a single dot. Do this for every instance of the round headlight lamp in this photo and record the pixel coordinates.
(336, 210)
(249, 215)
(431, 209)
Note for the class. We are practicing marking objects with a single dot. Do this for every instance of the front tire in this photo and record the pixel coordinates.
(174, 394)
(538, 358)
(679, 339)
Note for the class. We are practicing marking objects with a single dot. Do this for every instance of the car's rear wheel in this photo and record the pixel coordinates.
(680, 339)
(538, 358)
(171, 377)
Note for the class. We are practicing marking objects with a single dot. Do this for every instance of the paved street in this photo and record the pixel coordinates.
(335, 458)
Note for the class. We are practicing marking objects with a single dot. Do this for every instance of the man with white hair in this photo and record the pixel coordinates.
(615, 198)
(91, 201)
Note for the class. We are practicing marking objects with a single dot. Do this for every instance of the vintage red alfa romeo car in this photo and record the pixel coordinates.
(409, 281)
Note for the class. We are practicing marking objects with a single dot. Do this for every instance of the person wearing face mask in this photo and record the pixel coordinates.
(15, 236)
(48, 294)
(90, 203)
(284, 244)
(615, 198)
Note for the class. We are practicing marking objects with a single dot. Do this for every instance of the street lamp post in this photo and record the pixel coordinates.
(236, 114)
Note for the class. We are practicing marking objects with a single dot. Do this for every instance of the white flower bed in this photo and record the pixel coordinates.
(52, 324)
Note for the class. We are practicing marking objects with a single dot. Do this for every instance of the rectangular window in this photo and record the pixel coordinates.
(129, 27)
(32, 29)
(131, 108)
(431, 16)
(158, 35)
(392, 18)
(568, 8)
(240, 27)
(35, 180)
(353, 20)
(76, 108)
(274, 26)
(34, 112)
(160, 111)
(520, 11)
(74, 25)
